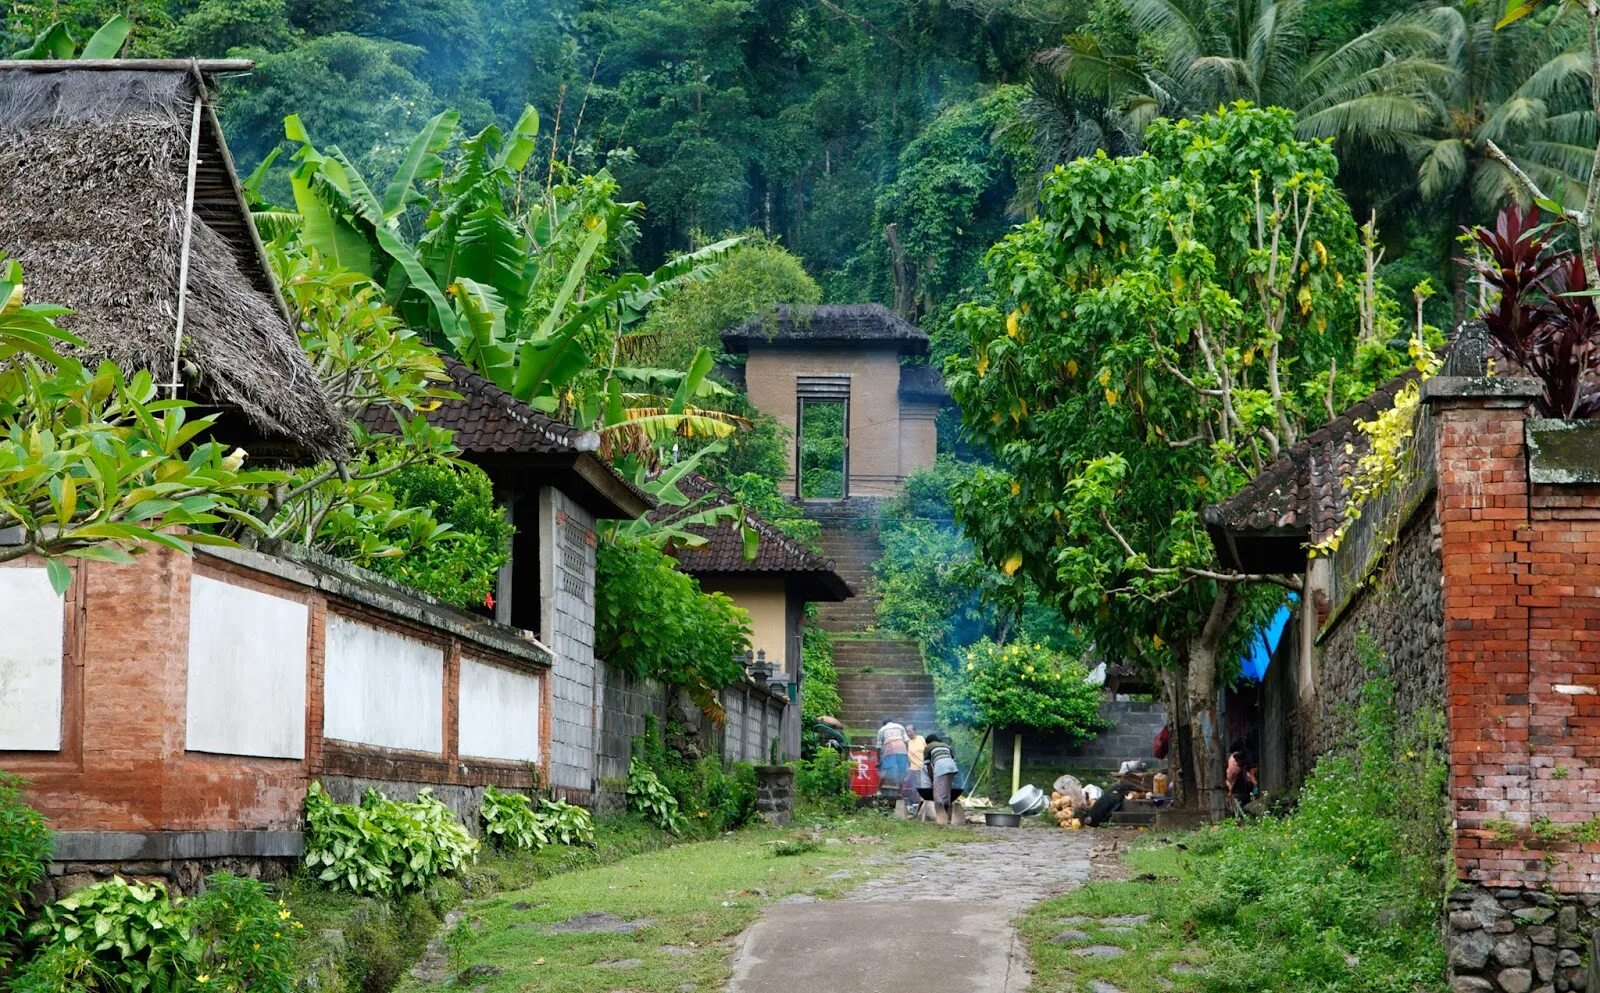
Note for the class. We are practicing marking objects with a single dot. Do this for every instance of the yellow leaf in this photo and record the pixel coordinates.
(1072, 367)
(1012, 564)
(1099, 239)
(1305, 267)
(983, 365)
(1155, 640)
(1016, 488)
(1304, 296)
(1322, 252)
(1249, 355)
(1105, 377)
(1013, 323)
(1111, 397)
(1202, 482)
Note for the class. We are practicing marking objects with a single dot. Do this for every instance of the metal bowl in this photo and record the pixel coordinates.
(1028, 801)
(1002, 818)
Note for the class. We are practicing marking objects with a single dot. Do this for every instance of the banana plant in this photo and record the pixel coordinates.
(56, 42)
(522, 291)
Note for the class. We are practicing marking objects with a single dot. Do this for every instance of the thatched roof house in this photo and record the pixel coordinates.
(96, 158)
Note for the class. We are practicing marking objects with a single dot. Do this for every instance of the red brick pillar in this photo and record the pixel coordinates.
(1482, 506)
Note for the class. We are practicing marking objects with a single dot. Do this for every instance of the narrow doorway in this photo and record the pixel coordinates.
(822, 438)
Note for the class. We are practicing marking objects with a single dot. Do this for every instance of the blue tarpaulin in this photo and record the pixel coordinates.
(1253, 666)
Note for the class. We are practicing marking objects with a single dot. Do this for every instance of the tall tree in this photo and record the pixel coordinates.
(1165, 327)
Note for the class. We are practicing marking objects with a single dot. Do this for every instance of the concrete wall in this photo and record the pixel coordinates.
(887, 442)
(500, 711)
(382, 687)
(32, 660)
(1133, 730)
(567, 582)
(247, 671)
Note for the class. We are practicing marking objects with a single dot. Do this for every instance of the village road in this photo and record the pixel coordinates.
(941, 920)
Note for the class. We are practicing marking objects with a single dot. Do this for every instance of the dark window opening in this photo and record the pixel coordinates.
(526, 599)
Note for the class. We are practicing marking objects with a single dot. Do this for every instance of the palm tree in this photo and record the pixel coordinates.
(1526, 91)
(1192, 55)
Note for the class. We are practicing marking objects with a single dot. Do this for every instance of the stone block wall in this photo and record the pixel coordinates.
(1399, 614)
(1519, 940)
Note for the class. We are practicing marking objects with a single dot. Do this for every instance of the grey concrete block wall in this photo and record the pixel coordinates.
(1133, 731)
(567, 587)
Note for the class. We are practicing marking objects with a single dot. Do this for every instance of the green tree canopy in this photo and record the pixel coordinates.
(1163, 329)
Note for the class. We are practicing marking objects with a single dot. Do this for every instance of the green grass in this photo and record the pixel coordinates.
(700, 896)
(1152, 948)
(365, 944)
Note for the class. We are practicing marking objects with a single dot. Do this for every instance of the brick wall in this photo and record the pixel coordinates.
(124, 779)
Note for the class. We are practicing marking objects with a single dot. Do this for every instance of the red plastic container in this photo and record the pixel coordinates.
(864, 780)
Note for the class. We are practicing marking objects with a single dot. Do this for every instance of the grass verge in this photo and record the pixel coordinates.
(695, 897)
(360, 944)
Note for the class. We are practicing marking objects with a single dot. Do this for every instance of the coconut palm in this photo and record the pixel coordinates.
(1377, 88)
(1526, 91)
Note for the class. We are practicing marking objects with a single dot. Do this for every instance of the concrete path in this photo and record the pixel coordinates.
(940, 920)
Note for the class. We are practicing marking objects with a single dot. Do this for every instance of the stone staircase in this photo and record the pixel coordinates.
(880, 674)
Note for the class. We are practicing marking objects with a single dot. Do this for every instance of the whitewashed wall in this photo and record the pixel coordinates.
(499, 712)
(32, 642)
(247, 672)
(382, 688)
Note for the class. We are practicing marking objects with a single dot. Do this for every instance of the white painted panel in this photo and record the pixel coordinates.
(32, 634)
(247, 672)
(382, 688)
(499, 712)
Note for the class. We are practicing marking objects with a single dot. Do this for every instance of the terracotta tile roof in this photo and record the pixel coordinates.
(1302, 494)
(492, 425)
(777, 555)
(922, 382)
(831, 324)
(488, 420)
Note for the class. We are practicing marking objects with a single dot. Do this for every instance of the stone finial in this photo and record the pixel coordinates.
(1470, 351)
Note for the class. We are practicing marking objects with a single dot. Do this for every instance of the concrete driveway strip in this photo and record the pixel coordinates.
(942, 920)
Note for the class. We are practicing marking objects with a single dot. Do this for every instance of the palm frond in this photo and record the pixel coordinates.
(1442, 168)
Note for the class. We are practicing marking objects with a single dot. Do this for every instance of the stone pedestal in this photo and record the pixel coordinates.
(775, 794)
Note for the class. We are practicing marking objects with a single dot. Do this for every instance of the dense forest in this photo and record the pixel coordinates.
(889, 143)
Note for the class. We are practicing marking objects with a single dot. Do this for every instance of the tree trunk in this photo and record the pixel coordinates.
(1205, 723)
(1180, 769)
(904, 288)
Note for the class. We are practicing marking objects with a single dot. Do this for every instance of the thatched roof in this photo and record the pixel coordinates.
(95, 162)
(850, 325)
(922, 382)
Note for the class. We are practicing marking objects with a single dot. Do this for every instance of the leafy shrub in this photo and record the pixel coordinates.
(511, 820)
(1344, 894)
(121, 937)
(245, 938)
(823, 782)
(566, 823)
(462, 566)
(648, 795)
(711, 797)
(1021, 686)
(24, 850)
(383, 847)
(795, 846)
(653, 621)
(819, 694)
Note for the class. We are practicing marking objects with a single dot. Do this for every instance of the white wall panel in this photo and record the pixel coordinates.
(382, 688)
(32, 632)
(499, 712)
(247, 671)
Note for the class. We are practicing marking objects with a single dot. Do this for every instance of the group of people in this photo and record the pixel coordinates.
(912, 763)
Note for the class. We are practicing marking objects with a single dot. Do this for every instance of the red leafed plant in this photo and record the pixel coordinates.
(1542, 316)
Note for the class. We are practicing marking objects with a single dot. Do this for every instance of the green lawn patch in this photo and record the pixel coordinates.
(364, 944)
(680, 907)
